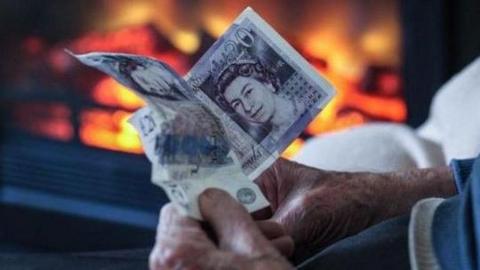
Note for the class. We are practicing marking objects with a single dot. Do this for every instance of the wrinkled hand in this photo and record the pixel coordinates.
(182, 243)
(318, 207)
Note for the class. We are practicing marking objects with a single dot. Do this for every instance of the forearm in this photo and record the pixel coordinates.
(401, 190)
(319, 207)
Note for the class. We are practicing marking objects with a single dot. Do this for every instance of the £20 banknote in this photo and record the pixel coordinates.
(247, 98)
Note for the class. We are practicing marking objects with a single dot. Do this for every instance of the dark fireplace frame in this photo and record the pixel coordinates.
(58, 196)
(440, 37)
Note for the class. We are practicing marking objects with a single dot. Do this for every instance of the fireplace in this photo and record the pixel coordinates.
(69, 158)
(361, 57)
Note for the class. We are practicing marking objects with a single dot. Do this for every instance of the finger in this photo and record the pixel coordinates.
(179, 240)
(181, 253)
(271, 229)
(285, 245)
(172, 219)
(261, 214)
(235, 229)
(277, 235)
(264, 179)
(280, 166)
(272, 181)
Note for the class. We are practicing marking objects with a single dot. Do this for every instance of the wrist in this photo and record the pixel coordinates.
(399, 191)
(366, 195)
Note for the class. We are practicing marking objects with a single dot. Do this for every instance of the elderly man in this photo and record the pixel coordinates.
(315, 209)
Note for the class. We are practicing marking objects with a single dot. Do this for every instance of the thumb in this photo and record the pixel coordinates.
(276, 182)
(233, 225)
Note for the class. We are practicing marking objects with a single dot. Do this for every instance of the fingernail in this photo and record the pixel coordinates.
(211, 195)
(206, 196)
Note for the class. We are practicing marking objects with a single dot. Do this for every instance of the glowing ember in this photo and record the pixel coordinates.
(186, 41)
(389, 84)
(51, 120)
(351, 107)
(100, 128)
(293, 148)
(109, 130)
(342, 50)
(142, 40)
(33, 45)
(215, 25)
(131, 39)
(109, 92)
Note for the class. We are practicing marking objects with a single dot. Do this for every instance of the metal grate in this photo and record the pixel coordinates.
(79, 172)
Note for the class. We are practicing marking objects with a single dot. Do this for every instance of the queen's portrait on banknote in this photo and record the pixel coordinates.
(251, 90)
(269, 97)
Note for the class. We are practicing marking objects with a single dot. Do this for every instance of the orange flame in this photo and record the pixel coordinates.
(322, 34)
(51, 120)
(109, 92)
(134, 39)
(109, 130)
(293, 148)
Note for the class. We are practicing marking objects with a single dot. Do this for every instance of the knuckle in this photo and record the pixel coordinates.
(277, 226)
(308, 199)
(154, 260)
(167, 257)
(176, 255)
(300, 202)
(288, 240)
(168, 210)
(273, 227)
(197, 234)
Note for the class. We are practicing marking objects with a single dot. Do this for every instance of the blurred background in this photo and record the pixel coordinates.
(73, 173)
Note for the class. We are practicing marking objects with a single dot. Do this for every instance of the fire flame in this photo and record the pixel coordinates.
(340, 49)
(52, 120)
(108, 92)
(109, 130)
(293, 148)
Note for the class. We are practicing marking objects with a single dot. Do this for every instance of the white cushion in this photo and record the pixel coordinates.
(379, 147)
(454, 119)
(451, 131)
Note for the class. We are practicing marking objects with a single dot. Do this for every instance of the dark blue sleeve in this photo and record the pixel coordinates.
(456, 222)
(461, 169)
